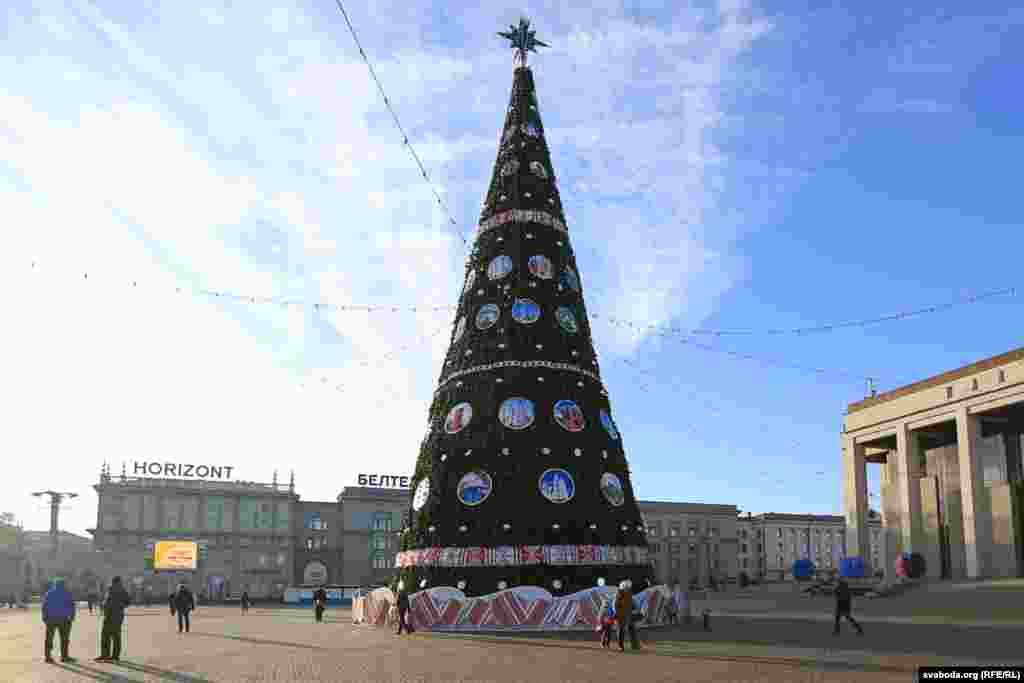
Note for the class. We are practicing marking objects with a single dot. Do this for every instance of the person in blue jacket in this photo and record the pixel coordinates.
(58, 613)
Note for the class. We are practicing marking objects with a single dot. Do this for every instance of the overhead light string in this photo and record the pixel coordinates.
(398, 124)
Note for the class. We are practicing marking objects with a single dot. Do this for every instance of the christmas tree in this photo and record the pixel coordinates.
(522, 478)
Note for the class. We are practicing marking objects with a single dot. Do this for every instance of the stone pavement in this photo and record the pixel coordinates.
(286, 645)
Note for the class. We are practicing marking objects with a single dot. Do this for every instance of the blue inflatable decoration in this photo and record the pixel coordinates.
(852, 567)
(803, 569)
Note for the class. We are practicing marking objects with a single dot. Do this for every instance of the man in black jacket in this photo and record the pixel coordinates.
(183, 602)
(113, 618)
(320, 603)
(844, 602)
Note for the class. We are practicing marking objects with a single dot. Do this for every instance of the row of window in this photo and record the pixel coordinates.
(677, 548)
(654, 530)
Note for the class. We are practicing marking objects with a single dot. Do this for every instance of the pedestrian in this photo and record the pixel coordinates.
(245, 601)
(114, 604)
(844, 603)
(605, 620)
(183, 603)
(624, 615)
(58, 613)
(403, 610)
(89, 601)
(319, 603)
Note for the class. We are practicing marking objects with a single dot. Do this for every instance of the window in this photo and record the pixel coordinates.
(655, 547)
(1002, 376)
(692, 531)
(949, 392)
(779, 531)
(675, 563)
(712, 530)
(379, 542)
(692, 548)
(674, 531)
(309, 543)
(382, 521)
(743, 547)
(315, 522)
(381, 562)
(675, 548)
(652, 530)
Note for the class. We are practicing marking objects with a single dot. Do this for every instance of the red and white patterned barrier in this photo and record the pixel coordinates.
(526, 608)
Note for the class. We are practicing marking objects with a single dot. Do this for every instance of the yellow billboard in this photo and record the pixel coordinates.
(175, 555)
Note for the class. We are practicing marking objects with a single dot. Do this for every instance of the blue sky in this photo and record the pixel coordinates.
(735, 165)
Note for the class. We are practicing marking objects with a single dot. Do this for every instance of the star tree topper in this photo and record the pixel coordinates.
(523, 40)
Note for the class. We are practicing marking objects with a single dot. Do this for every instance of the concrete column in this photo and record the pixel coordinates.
(931, 522)
(968, 433)
(909, 471)
(855, 500)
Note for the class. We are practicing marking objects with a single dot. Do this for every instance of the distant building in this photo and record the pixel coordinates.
(14, 568)
(690, 542)
(770, 543)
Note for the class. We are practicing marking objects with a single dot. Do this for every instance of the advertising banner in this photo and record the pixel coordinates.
(175, 555)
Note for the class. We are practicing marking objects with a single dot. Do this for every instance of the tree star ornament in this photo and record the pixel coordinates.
(523, 40)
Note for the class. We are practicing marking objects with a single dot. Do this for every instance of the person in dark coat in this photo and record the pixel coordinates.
(624, 615)
(844, 603)
(403, 610)
(183, 603)
(113, 617)
(245, 601)
(319, 603)
(58, 613)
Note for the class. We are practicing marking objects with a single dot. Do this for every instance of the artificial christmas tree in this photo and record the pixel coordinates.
(522, 478)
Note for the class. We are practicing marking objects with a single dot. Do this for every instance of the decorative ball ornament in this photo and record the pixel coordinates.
(462, 584)
(540, 347)
(640, 527)
(593, 527)
(525, 311)
(612, 489)
(557, 583)
(458, 418)
(541, 266)
(431, 528)
(501, 345)
(501, 239)
(505, 451)
(533, 283)
(459, 383)
(502, 585)
(463, 528)
(469, 352)
(401, 585)
(567, 319)
(609, 425)
(545, 450)
(537, 169)
(600, 581)
(625, 527)
(422, 494)
(509, 167)
(517, 413)
(579, 384)
(529, 235)
(479, 292)
(506, 526)
(444, 457)
(556, 526)
(569, 416)
(575, 354)
(473, 489)
(540, 379)
(557, 485)
(499, 267)
(526, 194)
(499, 380)
(487, 316)
(423, 583)
(578, 452)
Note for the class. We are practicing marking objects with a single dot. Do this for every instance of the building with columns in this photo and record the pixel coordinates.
(949, 451)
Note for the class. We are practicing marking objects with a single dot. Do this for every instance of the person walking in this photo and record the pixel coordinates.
(844, 604)
(403, 610)
(183, 603)
(113, 617)
(319, 603)
(58, 613)
(605, 620)
(245, 601)
(624, 615)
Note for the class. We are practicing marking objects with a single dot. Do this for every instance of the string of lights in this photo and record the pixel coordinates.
(815, 329)
(398, 124)
(640, 327)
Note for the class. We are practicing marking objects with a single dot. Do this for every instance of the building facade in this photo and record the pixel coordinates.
(373, 518)
(949, 449)
(690, 543)
(770, 543)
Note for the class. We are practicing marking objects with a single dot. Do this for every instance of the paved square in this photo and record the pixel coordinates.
(286, 645)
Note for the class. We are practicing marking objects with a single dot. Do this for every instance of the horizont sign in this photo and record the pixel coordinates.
(183, 470)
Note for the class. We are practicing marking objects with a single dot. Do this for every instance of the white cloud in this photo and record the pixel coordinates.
(245, 148)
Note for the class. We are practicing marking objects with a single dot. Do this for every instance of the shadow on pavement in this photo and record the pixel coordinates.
(261, 641)
(94, 674)
(163, 674)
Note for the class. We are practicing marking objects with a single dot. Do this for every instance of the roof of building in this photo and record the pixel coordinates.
(936, 380)
(677, 507)
(372, 493)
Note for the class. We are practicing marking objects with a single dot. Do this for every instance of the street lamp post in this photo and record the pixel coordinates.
(56, 498)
